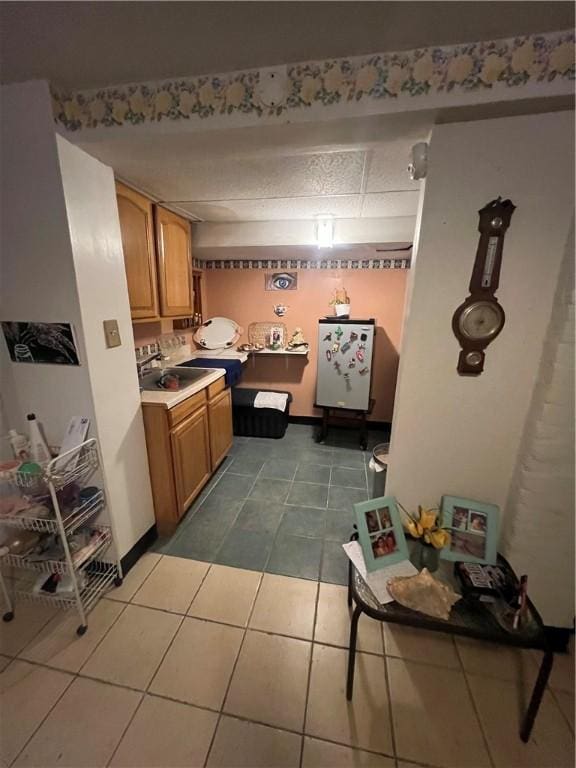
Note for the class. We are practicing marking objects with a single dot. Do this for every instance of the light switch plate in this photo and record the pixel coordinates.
(111, 333)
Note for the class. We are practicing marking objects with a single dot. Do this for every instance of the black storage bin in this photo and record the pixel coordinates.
(258, 422)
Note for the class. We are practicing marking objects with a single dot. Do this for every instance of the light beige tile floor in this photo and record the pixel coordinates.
(172, 585)
(333, 622)
(294, 614)
(434, 719)
(227, 595)
(243, 744)
(269, 682)
(185, 682)
(27, 694)
(134, 647)
(364, 722)
(166, 734)
(198, 666)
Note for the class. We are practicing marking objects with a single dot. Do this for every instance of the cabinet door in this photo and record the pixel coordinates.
(174, 264)
(221, 436)
(135, 212)
(191, 456)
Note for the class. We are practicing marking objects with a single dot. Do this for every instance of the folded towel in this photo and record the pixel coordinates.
(275, 400)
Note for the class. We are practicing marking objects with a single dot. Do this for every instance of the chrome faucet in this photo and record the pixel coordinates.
(143, 362)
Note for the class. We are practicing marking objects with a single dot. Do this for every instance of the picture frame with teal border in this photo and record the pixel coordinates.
(380, 529)
(474, 529)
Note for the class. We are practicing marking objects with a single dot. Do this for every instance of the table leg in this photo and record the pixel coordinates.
(536, 698)
(324, 427)
(352, 652)
(363, 434)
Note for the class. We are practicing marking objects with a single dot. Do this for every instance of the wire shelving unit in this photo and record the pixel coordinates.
(92, 569)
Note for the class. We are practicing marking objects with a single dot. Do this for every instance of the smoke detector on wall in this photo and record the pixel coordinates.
(418, 166)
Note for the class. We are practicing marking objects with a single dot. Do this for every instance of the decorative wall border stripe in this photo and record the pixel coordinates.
(307, 264)
(512, 63)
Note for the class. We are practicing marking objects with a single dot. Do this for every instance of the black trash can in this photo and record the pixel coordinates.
(249, 421)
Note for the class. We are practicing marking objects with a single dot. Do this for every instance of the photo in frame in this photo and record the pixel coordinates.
(281, 281)
(380, 532)
(31, 342)
(473, 527)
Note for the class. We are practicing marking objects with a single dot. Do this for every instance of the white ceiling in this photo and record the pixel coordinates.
(347, 168)
(93, 44)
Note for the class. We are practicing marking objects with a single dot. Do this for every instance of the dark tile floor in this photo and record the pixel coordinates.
(280, 506)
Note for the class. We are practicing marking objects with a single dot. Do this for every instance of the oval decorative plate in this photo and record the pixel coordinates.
(218, 333)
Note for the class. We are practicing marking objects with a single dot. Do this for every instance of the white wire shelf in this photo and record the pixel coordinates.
(59, 566)
(74, 466)
(100, 577)
(73, 520)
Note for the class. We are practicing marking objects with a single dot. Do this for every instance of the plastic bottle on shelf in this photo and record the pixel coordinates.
(38, 448)
(19, 444)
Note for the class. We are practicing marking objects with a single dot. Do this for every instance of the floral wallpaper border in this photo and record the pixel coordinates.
(480, 66)
(403, 263)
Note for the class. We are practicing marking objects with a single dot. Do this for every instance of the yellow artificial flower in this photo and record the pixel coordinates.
(459, 68)
(366, 78)
(427, 518)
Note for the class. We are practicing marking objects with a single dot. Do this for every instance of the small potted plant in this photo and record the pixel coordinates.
(341, 303)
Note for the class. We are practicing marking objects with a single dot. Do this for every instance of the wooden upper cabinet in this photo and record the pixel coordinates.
(136, 225)
(174, 264)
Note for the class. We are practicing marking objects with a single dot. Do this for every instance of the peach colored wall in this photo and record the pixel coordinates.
(239, 294)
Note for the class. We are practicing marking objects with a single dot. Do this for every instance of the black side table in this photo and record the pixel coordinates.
(467, 618)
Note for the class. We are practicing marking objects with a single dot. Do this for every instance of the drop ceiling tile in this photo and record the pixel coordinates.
(388, 204)
(343, 207)
(280, 175)
(387, 167)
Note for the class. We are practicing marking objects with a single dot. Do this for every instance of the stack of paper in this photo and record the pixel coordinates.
(377, 580)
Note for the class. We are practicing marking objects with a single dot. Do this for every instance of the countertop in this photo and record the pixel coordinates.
(170, 399)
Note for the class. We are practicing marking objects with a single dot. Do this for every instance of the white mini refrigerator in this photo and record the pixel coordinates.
(345, 351)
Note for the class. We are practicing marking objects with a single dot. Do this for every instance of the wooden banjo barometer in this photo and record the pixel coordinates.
(480, 318)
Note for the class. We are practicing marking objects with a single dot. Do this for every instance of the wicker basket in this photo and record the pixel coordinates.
(259, 333)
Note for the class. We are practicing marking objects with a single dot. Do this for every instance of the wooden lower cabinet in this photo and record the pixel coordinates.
(220, 417)
(191, 456)
(185, 444)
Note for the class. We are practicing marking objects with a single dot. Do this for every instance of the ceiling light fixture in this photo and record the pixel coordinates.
(325, 230)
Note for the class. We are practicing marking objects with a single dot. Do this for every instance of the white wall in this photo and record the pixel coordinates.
(37, 280)
(459, 435)
(539, 531)
(61, 260)
(103, 295)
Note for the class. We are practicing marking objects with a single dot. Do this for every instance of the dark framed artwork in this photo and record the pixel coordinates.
(281, 281)
(41, 343)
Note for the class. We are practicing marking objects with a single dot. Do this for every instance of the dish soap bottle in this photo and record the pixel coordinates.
(38, 447)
